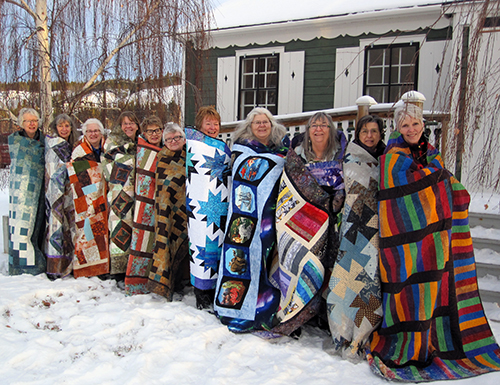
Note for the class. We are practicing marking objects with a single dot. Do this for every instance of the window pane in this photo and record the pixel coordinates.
(248, 81)
(407, 55)
(272, 80)
(375, 75)
(378, 93)
(376, 57)
(261, 78)
(261, 98)
(262, 65)
(246, 111)
(395, 56)
(407, 74)
(272, 64)
(249, 97)
(248, 65)
(271, 97)
(395, 75)
(395, 94)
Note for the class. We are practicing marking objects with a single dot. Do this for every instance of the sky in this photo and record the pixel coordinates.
(228, 13)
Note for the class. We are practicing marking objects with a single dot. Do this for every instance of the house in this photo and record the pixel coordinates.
(325, 62)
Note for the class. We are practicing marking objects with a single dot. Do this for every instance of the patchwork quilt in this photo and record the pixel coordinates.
(171, 251)
(207, 200)
(143, 233)
(91, 214)
(245, 300)
(302, 225)
(60, 210)
(433, 326)
(354, 297)
(119, 171)
(26, 205)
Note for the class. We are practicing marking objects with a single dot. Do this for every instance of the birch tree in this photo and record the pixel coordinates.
(78, 45)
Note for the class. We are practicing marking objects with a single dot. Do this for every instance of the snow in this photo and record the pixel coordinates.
(232, 13)
(86, 331)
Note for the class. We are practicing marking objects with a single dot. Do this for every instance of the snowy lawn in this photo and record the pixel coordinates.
(86, 331)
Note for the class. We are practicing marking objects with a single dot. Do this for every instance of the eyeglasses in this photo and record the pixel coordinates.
(129, 124)
(31, 121)
(93, 131)
(151, 132)
(321, 126)
(366, 132)
(258, 122)
(174, 139)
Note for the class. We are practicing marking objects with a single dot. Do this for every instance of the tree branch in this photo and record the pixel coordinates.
(22, 4)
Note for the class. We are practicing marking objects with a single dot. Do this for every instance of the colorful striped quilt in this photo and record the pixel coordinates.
(119, 171)
(171, 254)
(143, 233)
(353, 296)
(433, 327)
(245, 300)
(26, 205)
(91, 212)
(60, 209)
(207, 200)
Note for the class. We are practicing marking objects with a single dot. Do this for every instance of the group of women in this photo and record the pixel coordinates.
(371, 240)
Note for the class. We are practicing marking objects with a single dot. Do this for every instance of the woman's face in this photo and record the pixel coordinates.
(174, 141)
(153, 134)
(369, 135)
(210, 126)
(129, 127)
(93, 135)
(319, 132)
(30, 124)
(261, 128)
(64, 129)
(411, 129)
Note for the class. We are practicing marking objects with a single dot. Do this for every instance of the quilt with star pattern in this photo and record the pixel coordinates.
(353, 294)
(207, 200)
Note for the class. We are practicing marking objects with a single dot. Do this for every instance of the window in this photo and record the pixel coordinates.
(390, 71)
(258, 84)
(491, 24)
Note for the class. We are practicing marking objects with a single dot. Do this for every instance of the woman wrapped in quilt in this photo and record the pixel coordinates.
(353, 295)
(207, 191)
(170, 267)
(60, 210)
(26, 196)
(149, 144)
(119, 171)
(245, 300)
(311, 195)
(433, 325)
(91, 256)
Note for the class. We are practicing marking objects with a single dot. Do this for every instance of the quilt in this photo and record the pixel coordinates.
(143, 233)
(207, 200)
(433, 325)
(302, 225)
(171, 253)
(91, 212)
(60, 210)
(26, 205)
(353, 296)
(245, 300)
(119, 171)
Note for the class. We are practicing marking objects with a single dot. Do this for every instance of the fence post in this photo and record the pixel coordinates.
(364, 103)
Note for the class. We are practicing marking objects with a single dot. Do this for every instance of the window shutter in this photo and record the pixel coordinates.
(348, 77)
(291, 82)
(227, 79)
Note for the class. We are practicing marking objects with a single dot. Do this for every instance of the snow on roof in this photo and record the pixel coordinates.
(234, 13)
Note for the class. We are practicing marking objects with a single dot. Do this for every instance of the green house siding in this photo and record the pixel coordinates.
(319, 68)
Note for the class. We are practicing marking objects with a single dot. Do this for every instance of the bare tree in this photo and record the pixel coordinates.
(78, 45)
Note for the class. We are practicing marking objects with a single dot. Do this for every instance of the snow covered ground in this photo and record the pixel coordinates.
(86, 331)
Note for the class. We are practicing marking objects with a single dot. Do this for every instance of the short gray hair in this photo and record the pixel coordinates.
(408, 109)
(90, 121)
(24, 111)
(244, 130)
(170, 128)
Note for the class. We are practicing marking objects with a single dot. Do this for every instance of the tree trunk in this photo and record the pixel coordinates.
(44, 55)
